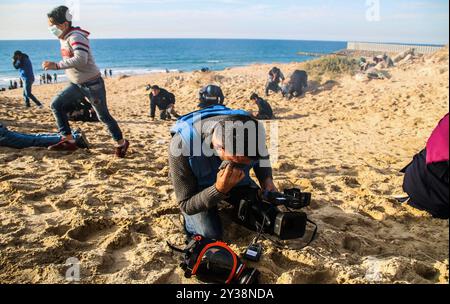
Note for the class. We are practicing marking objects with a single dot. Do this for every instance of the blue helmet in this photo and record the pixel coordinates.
(210, 95)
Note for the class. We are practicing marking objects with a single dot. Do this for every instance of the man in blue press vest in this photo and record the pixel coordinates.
(211, 155)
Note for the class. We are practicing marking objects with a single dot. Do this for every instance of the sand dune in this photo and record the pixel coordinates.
(344, 142)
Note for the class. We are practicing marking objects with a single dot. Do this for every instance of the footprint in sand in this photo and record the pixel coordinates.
(90, 230)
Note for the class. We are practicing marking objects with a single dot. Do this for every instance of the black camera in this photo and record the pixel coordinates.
(292, 198)
(264, 215)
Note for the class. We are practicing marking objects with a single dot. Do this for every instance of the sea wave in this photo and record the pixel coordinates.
(5, 79)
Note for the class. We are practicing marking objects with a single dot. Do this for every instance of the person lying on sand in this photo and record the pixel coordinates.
(165, 101)
(427, 176)
(17, 140)
(85, 81)
(200, 179)
(275, 81)
(210, 95)
(265, 111)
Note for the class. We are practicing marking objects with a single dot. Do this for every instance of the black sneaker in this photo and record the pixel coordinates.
(82, 141)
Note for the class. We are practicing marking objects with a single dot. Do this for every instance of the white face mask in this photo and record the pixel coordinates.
(55, 31)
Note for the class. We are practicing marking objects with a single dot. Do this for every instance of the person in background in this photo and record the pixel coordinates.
(21, 83)
(17, 140)
(297, 85)
(276, 78)
(82, 111)
(110, 73)
(265, 111)
(49, 78)
(23, 63)
(427, 177)
(210, 95)
(55, 78)
(16, 86)
(85, 81)
(165, 101)
(106, 73)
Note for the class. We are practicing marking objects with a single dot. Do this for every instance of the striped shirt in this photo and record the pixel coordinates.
(78, 61)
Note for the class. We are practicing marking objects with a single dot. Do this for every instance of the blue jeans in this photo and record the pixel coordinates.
(206, 224)
(27, 95)
(95, 92)
(21, 141)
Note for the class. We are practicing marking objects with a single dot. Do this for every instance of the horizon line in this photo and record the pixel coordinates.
(263, 39)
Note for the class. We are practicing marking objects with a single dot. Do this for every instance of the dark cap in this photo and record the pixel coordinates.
(155, 87)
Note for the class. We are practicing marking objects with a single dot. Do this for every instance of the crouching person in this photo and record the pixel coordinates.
(165, 101)
(17, 140)
(297, 85)
(211, 155)
(265, 111)
(427, 177)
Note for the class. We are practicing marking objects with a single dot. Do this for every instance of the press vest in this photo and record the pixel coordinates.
(205, 168)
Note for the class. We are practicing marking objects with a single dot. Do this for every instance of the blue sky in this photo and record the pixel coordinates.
(413, 21)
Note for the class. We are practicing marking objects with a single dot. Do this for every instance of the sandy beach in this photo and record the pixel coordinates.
(345, 142)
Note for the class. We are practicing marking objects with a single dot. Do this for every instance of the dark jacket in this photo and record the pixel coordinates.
(81, 111)
(23, 64)
(264, 108)
(276, 76)
(162, 101)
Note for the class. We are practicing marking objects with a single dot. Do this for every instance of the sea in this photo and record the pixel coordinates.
(145, 56)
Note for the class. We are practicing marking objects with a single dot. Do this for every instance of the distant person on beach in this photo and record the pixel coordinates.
(17, 140)
(106, 73)
(49, 78)
(21, 83)
(276, 78)
(211, 95)
(16, 86)
(165, 101)
(110, 73)
(265, 111)
(297, 85)
(55, 78)
(23, 63)
(85, 81)
(427, 176)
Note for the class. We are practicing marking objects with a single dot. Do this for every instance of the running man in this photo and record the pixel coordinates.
(85, 78)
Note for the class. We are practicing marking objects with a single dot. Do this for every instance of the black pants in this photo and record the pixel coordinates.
(428, 186)
(272, 86)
